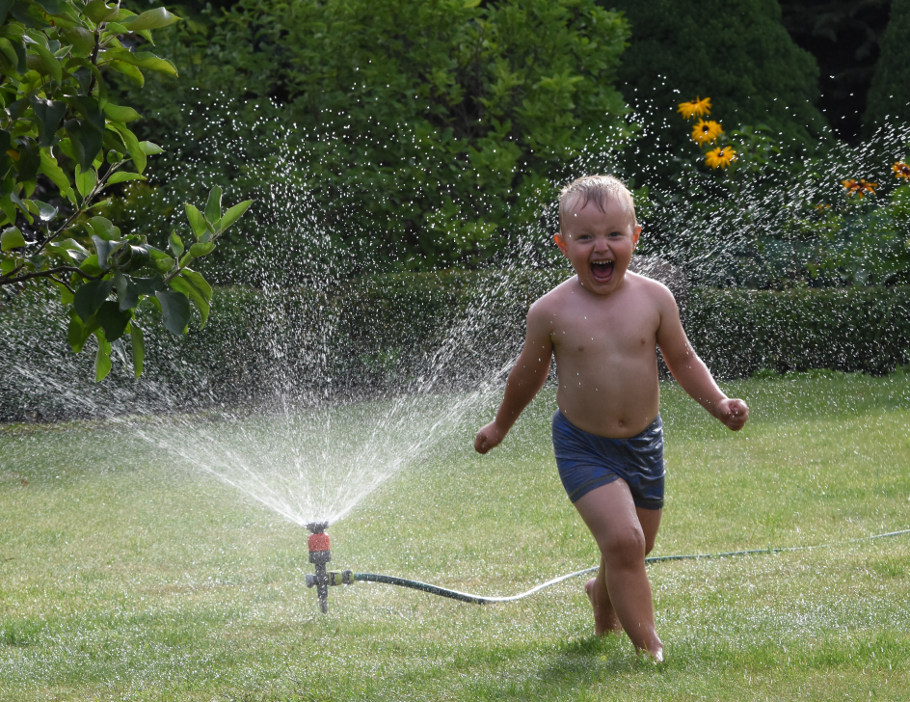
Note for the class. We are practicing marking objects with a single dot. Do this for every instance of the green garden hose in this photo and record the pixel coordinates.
(347, 577)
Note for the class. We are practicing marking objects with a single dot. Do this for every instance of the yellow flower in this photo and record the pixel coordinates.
(699, 107)
(858, 187)
(901, 170)
(706, 132)
(721, 157)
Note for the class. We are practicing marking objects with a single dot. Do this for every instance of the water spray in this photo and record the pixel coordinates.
(320, 554)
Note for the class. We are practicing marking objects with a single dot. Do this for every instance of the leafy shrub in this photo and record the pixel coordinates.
(751, 210)
(741, 332)
(414, 135)
(743, 57)
(64, 147)
(422, 332)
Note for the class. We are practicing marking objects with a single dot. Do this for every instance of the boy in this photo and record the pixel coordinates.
(603, 325)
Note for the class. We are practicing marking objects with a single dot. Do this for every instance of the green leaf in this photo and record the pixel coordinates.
(123, 176)
(202, 248)
(150, 148)
(52, 170)
(197, 221)
(132, 145)
(120, 113)
(90, 266)
(77, 333)
(234, 213)
(127, 292)
(86, 180)
(150, 19)
(81, 39)
(86, 142)
(103, 228)
(175, 311)
(45, 62)
(197, 289)
(50, 115)
(162, 262)
(11, 238)
(98, 11)
(129, 70)
(213, 205)
(45, 211)
(138, 340)
(150, 62)
(176, 244)
(69, 248)
(113, 320)
(102, 357)
(89, 297)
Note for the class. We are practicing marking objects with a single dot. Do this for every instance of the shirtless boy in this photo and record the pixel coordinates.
(603, 326)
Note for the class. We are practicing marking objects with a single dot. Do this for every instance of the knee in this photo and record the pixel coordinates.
(626, 546)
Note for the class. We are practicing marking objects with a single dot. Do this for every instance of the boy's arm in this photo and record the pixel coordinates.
(525, 380)
(690, 371)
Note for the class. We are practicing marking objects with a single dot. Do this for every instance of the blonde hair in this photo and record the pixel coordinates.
(599, 189)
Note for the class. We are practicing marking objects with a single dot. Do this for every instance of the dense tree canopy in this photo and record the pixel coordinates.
(743, 59)
(889, 93)
(843, 36)
(427, 131)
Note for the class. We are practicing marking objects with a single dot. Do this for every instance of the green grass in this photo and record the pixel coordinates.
(125, 578)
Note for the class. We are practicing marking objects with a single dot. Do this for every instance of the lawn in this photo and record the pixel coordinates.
(125, 576)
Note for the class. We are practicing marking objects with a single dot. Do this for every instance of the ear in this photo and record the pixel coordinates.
(560, 242)
(635, 234)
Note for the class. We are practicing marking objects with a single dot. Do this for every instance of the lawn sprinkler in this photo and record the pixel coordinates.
(320, 546)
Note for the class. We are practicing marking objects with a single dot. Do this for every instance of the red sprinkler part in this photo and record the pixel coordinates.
(319, 542)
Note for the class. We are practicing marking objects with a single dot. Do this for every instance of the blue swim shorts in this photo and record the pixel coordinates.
(587, 461)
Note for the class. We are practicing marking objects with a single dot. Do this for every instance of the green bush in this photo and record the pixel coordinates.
(412, 134)
(741, 332)
(743, 58)
(419, 333)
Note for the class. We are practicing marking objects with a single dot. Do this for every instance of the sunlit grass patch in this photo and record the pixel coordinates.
(141, 580)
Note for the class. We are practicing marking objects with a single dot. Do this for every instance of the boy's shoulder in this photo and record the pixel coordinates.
(559, 292)
(643, 283)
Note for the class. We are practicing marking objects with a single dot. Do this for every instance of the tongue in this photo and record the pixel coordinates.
(602, 271)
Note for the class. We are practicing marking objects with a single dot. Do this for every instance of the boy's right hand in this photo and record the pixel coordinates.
(488, 437)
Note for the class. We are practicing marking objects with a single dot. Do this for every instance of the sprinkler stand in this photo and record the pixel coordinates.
(319, 546)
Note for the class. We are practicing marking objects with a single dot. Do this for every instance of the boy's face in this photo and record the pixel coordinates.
(599, 245)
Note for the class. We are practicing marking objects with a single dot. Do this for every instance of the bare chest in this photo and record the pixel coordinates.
(602, 333)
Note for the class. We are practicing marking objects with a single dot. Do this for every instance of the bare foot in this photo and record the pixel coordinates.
(656, 656)
(605, 619)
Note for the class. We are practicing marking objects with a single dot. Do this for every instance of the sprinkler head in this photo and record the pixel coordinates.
(317, 527)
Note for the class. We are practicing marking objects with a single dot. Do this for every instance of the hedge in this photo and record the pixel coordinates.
(408, 332)
(740, 332)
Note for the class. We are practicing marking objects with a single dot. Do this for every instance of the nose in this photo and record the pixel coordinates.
(601, 243)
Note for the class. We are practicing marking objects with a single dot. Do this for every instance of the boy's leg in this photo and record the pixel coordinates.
(621, 592)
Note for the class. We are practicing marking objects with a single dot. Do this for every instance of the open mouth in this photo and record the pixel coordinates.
(602, 270)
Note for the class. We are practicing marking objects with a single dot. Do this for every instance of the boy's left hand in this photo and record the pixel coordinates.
(733, 413)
